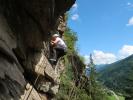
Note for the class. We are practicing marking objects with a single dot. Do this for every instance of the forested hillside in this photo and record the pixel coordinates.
(119, 77)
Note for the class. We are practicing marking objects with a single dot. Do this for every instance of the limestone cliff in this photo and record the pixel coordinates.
(25, 30)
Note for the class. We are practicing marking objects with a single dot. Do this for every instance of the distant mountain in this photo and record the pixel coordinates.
(118, 76)
(98, 68)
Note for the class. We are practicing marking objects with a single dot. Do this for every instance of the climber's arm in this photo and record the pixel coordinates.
(53, 43)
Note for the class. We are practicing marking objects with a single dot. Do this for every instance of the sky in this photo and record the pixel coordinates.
(104, 28)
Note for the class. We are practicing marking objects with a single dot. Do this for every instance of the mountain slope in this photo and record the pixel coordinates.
(119, 76)
(98, 68)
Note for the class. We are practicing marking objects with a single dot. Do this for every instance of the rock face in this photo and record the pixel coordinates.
(25, 31)
(78, 67)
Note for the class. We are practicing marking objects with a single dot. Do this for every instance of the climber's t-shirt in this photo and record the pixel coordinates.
(60, 44)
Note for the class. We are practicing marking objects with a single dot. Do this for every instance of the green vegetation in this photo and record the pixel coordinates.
(70, 39)
(75, 85)
(119, 77)
(114, 98)
(121, 98)
(72, 87)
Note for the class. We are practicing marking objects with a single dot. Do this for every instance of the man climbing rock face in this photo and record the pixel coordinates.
(59, 47)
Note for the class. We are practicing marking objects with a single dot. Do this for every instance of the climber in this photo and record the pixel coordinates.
(59, 48)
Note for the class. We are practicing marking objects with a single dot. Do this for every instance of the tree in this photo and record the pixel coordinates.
(96, 90)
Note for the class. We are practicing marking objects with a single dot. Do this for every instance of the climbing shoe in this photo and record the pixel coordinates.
(52, 60)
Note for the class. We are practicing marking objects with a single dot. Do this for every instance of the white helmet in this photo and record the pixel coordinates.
(55, 35)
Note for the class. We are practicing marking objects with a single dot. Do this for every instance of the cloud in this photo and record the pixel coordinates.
(130, 22)
(125, 51)
(101, 57)
(129, 4)
(74, 12)
(75, 6)
(87, 59)
(75, 17)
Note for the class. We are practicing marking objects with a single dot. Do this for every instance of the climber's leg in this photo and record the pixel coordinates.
(55, 53)
(60, 53)
(53, 56)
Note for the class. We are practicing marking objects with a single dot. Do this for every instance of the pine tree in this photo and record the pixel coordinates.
(96, 91)
(92, 78)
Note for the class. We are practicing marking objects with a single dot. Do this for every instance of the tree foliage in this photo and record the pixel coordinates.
(70, 39)
(95, 90)
(119, 76)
